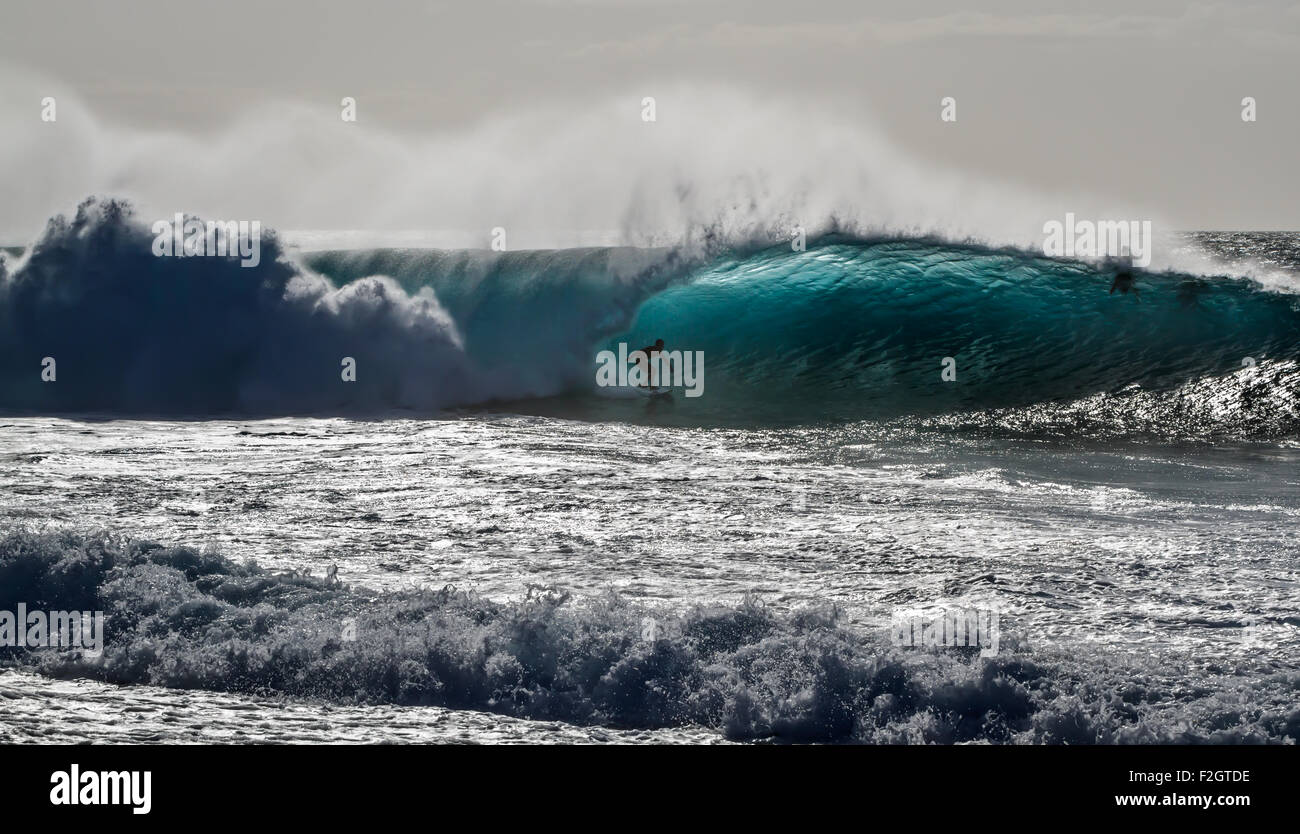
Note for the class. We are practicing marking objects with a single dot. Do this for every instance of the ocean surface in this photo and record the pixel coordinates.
(523, 556)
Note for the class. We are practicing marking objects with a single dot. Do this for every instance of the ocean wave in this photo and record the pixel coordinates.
(132, 333)
(848, 329)
(190, 619)
(861, 329)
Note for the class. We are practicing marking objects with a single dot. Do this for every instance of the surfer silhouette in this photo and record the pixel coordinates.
(1124, 282)
(649, 365)
(1189, 294)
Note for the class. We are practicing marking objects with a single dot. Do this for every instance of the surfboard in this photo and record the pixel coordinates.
(654, 391)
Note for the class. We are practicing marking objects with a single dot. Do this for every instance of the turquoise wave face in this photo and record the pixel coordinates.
(859, 329)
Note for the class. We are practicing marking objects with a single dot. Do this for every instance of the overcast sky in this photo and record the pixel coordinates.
(1139, 102)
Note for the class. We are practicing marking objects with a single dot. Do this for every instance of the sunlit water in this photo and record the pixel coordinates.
(1178, 555)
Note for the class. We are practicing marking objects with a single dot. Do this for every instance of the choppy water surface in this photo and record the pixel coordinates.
(524, 556)
(1174, 560)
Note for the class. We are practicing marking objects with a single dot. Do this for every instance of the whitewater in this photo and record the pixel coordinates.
(523, 557)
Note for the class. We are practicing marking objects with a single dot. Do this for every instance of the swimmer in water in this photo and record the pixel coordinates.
(1124, 282)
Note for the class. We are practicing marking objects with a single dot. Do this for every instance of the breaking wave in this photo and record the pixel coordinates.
(189, 619)
(845, 330)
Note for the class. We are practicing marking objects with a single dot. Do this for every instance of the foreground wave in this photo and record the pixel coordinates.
(848, 329)
(178, 617)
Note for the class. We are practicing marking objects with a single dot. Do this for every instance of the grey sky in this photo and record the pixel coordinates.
(1139, 102)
